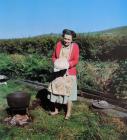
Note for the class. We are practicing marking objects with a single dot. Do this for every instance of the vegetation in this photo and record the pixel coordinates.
(31, 66)
(84, 124)
(102, 63)
(102, 67)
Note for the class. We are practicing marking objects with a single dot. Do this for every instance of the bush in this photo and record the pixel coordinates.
(95, 75)
(41, 45)
(102, 63)
(30, 66)
(118, 83)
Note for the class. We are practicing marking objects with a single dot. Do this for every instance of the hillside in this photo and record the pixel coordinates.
(120, 31)
(117, 31)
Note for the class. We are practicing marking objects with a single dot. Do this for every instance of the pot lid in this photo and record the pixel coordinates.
(102, 104)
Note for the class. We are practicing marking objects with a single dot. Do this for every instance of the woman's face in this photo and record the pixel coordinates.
(67, 39)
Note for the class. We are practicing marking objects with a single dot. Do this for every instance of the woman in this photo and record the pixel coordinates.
(65, 57)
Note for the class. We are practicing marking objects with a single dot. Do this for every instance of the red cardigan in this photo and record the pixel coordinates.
(73, 60)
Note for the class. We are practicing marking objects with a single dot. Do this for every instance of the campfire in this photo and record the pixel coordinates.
(18, 119)
(18, 112)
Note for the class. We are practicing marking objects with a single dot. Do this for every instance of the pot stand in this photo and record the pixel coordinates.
(14, 111)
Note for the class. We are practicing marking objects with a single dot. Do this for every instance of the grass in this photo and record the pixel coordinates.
(84, 124)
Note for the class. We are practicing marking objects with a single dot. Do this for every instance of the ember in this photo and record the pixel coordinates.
(18, 120)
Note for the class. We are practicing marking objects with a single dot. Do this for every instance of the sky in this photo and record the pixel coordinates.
(27, 18)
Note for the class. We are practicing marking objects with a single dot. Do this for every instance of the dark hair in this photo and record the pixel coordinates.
(69, 32)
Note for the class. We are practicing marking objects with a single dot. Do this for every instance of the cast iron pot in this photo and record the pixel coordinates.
(18, 99)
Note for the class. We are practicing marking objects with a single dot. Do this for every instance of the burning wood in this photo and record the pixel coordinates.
(17, 120)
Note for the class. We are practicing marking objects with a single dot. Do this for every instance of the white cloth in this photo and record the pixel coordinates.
(60, 64)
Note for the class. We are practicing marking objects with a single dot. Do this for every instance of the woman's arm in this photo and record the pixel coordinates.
(75, 58)
(56, 52)
(54, 56)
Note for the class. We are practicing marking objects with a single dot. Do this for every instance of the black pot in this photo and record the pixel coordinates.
(18, 100)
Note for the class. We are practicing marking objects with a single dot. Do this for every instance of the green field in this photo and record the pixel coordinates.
(84, 123)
